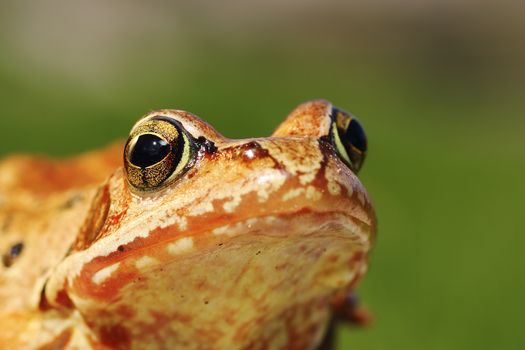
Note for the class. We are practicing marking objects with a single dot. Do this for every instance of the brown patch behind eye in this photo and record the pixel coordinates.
(95, 220)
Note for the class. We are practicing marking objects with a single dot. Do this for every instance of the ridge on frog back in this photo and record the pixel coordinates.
(191, 240)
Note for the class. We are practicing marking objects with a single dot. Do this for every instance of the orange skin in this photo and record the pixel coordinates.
(248, 249)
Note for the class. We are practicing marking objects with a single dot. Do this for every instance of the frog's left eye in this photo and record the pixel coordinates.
(349, 138)
(158, 151)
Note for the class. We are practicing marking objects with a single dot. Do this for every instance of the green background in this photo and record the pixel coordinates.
(439, 89)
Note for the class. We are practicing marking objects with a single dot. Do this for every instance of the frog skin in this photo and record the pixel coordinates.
(192, 241)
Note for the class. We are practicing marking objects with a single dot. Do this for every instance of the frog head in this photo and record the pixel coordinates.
(201, 239)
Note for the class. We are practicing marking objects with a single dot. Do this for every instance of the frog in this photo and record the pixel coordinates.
(181, 238)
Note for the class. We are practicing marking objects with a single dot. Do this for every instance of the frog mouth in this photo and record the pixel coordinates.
(250, 232)
(155, 248)
(197, 237)
(304, 222)
(332, 245)
(248, 266)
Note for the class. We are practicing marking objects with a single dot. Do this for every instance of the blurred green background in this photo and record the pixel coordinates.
(438, 85)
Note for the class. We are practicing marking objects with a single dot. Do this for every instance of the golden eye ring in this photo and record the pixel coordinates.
(158, 151)
(349, 139)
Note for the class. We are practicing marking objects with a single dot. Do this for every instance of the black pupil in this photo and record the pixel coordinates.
(148, 150)
(355, 135)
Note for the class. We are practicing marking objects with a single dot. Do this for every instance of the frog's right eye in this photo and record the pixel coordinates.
(158, 151)
(349, 138)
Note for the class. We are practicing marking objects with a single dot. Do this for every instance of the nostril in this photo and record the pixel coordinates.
(249, 154)
(252, 150)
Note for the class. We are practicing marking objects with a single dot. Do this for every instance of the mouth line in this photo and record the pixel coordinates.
(289, 220)
(303, 223)
(172, 245)
(268, 233)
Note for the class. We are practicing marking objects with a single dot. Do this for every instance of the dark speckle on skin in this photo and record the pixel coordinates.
(9, 257)
(16, 249)
(72, 201)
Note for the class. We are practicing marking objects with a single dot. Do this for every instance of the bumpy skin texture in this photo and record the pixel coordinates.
(247, 250)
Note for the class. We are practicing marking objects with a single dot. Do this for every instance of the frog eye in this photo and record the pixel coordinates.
(349, 138)
(158, 151)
